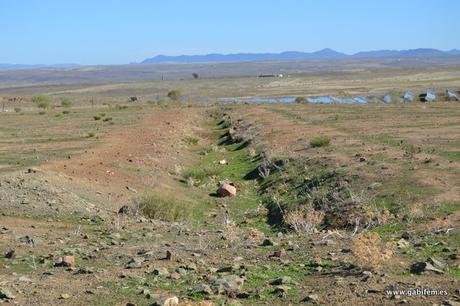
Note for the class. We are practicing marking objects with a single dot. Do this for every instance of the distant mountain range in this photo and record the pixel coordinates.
(294, 55)
(325, 54)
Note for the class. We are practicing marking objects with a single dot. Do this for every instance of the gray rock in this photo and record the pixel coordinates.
(135, 262)
(160, 271)
(203, 288)
(6, 294)
(228, 284)
(421, 266)
(283, 280)
(311, 298)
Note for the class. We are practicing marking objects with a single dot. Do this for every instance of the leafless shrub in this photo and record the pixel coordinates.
(370, 251)
(231, 231)
(304, 220)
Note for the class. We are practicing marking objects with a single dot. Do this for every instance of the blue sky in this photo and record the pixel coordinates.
(117, 32)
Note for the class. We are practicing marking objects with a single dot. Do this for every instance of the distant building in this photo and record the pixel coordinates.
(451, 96)
(408, 96)
(387, 99)
(428, 96)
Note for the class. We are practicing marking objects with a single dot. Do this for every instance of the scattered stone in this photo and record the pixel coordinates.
(279, 253)
(65, 261)
(311, 298)
(6, 294)
(10, 254)
(367, 275)
(402, 243)
(436, 263)
(222, 162)
(229, 284)
(134, 263)
(203, 288)
(64, 296)
(174, 275)
(283, 280)
(421, 266)
(226, 190)
(27, 240)
(281, 291)
(160, 271)
(169, 255)
(24, 279)
(172, 301)
(146, 293)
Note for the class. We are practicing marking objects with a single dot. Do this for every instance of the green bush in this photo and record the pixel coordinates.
(66, 102)
(107, 119)
(300, 100)
(97, 118)
(17, 109)
(163, 207)
(320, 141)
(200, 174)
(41, 101)
(91, 135)
(174, 95)
(66, 112)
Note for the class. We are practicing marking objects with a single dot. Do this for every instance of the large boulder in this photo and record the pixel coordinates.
(226, 190)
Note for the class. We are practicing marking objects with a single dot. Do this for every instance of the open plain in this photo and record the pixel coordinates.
(108, 202)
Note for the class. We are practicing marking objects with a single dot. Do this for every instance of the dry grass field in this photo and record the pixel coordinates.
(334, 202)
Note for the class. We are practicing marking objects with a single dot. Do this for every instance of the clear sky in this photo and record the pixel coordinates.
(117, 32)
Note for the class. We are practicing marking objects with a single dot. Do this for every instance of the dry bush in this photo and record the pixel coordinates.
(230, 231)
(370, 251)
(253, 235)
(304, 220)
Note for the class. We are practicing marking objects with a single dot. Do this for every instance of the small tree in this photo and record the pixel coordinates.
(41, 101)
(300, 100)
(174, 95)
(66, 102)
(195, 75)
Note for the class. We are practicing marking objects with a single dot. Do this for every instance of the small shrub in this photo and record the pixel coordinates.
(304, 220)
(102, 114)
(197, 175)
(66, 112)
(66, 102)
(191, 140)
(163, 207)
(91, 135)
(106, 119)
(300, 100)
(370, 251)
(41, 112)
(121, 107)
(97, 118)
(320, 141)
(41, 101)
(17, 109)
(174, 95)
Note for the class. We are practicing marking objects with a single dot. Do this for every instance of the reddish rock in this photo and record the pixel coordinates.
(279, 253)
(226, 190)
(66, 261)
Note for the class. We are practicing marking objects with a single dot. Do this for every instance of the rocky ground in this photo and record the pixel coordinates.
(72, 234)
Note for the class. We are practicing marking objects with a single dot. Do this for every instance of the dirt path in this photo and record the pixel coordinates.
(135, 159)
